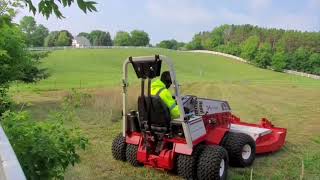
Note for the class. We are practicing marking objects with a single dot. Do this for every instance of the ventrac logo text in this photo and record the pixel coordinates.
(211, 108)
(224, 107)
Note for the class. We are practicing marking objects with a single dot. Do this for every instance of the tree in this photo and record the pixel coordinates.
(195, 43)
(46, 8)
(16, 62)
(279, 61)
(264, 55)
(250, 47)
(58, 38)
(100, 38)
(35, 34)
(50, 40)
(314, 63)
(122, 38)
(63, 39)
(299, 59)
(139, 38)
(39, 35)
(84, 34)
(28, 25)
(217, 35)
(168, 44)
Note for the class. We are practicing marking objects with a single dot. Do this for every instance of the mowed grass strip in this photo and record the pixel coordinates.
(289, 101)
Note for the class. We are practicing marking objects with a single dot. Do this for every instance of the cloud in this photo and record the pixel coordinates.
(180, 11)
(259, 5)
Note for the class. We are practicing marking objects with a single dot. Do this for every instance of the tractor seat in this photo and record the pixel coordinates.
(153, 112)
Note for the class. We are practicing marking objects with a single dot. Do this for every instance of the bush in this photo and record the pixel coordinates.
(5, 100)
(44, 149)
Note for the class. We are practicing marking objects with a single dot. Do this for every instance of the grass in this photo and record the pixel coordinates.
(289, 101)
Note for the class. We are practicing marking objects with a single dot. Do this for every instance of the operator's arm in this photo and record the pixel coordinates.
(166, 96)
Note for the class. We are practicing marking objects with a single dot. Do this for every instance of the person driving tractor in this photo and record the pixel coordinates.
(160, 88)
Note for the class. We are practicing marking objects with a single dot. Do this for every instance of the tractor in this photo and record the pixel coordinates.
(200, 144)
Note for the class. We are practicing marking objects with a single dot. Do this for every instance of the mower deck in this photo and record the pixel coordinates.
(254, 132)
(268, 138)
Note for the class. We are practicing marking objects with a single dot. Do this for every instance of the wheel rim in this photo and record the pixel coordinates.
(222, 165)
(246, 151)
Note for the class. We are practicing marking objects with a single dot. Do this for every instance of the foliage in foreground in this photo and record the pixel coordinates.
(46, 148)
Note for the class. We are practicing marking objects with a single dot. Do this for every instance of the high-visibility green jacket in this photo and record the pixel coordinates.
(166, 97)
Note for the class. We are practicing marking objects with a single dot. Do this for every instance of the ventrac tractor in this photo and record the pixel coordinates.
(200, 144)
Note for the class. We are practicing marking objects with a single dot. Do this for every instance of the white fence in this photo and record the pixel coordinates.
(10, 168)
(85, 47)
(302, 74)
(243, 60)
(220, 54)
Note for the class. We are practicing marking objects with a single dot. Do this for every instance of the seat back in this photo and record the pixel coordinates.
(154, 114)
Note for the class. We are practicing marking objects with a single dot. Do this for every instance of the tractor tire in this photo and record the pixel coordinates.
(119, 147)
(131, 155)
(213, 163)
(241, 149)
(186, 165)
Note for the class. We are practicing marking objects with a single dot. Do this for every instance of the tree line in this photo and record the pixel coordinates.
(39, 35)
(277, 49)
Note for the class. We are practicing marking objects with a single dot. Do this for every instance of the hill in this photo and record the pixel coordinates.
(289, 101)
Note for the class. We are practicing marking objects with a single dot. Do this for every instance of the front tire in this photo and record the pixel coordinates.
(241, 149)
(213, 163)
(187, 164)
(119, 148)
(131, 154)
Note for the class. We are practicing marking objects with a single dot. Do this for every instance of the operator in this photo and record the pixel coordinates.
(161, 87)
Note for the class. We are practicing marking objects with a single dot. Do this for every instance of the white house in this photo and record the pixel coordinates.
(80, 42)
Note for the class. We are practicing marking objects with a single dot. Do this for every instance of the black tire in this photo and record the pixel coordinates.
(235, 145)
(187, 164)
(131, 155)
(119, 147)
(211, 160)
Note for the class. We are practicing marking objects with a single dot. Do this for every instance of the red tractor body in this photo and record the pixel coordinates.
(271, 139)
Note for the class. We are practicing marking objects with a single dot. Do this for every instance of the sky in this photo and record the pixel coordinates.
(181, 19)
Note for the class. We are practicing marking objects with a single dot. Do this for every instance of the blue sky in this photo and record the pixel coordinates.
(181, 19)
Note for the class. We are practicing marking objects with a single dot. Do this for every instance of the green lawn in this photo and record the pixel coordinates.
(289, 101)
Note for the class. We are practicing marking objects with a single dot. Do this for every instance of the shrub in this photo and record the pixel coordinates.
(5, 100)
(44, 149)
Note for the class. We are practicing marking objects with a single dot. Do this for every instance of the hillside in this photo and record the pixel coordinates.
(289, 101)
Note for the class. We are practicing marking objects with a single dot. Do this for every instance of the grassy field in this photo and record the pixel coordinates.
(289, 101)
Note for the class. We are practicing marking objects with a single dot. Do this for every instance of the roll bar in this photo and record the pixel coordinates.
(125, 84)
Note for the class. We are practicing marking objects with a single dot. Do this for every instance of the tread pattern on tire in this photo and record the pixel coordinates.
(187, 164)
(234, 144)
(209, 163)
(119, 148)
(131, 155)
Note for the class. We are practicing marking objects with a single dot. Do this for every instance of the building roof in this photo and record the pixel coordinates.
(82, 41)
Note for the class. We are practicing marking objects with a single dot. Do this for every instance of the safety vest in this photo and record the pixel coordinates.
(159, 88)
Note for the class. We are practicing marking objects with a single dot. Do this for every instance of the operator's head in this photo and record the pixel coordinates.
(166, 79)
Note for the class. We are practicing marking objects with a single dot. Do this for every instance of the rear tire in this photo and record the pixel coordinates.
(187, 164)
(119, 148)
(241, 149)
(131, 155)
(213, 163)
